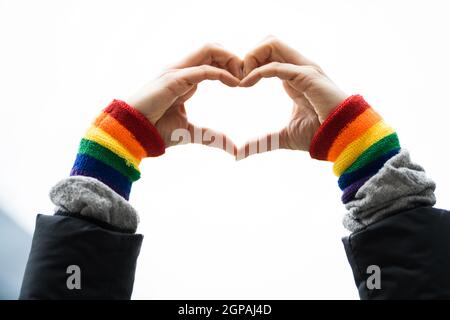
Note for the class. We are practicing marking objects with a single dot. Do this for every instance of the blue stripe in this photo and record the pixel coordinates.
(86, 165)
(372, 168)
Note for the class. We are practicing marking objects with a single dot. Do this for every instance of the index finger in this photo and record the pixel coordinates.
(180, 82)
(213, 55)
(273, 50)
(297, 76)
(195, 75)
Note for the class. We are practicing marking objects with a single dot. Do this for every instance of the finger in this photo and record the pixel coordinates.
(272, 49)
(285, 71)
(195, 75)
(211, 138)
(181, 100)
(300, 101)
(214, 55)
(266, 143)
(178, 83)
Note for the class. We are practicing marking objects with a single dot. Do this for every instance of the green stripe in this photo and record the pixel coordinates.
(108, 157)
(376, 150)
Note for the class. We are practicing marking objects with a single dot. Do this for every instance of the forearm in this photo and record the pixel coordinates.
(94, 225)
(376, 176)
(106, 166)
(389, 201)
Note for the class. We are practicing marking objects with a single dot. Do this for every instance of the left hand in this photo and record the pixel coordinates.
(162, 101)
(313, 93)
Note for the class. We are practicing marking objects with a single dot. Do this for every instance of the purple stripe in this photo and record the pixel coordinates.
(351, 190)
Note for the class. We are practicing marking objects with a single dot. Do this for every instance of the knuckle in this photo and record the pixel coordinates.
(275, 64)
(273, 41)
(250, 58)
(316, 69)
(271, 38)
(311, 71)
(209, 46)
(168, 76)
(167, 73)
(204, 68)
(305, 81)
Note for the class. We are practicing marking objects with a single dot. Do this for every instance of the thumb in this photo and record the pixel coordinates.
(211, 138)
(269, 142)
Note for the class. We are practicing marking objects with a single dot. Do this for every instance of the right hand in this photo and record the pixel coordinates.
(314, 95)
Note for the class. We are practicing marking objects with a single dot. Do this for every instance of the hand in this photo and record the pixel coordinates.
(162, 100)
(313, 93)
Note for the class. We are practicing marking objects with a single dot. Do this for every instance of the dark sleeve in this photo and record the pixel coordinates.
(106, 260)
(412, 251)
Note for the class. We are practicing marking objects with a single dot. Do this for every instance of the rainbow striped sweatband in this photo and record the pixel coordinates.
(113, 147)
(357, 140)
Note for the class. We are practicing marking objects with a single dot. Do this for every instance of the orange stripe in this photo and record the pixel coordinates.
(115, 129)
(353, 131)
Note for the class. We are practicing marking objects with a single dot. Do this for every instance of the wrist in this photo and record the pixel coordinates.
(114, 146)
(333, 101)
(142, 107)
(357, 140)
(336, 122)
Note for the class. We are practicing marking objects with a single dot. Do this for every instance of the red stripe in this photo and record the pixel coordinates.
(146, 134)
(347, 111)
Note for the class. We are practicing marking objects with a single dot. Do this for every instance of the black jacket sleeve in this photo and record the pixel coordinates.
(412, 251)
(105, 259)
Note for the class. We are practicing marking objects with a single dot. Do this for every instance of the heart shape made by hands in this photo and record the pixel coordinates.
(312, 93)
(251, 118)
(286, 132)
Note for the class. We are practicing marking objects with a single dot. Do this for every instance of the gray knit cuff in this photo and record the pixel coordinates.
(400, 185)
(92, 198)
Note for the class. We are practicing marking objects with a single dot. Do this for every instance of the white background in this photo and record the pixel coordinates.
(268, 227)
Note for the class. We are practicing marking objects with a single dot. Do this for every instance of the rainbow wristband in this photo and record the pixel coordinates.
(357, 140)
(114, 146)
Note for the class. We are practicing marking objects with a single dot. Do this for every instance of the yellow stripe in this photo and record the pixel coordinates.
(377, 132)
(101, 137)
